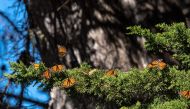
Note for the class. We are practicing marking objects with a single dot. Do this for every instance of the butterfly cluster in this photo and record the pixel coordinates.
(56, 68)
(70, 81)
(159, 64)
(47, 74)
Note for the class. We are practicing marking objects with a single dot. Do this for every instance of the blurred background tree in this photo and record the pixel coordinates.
(92, 31)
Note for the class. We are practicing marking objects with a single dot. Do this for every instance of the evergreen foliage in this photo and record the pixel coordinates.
(148, 88)
(173, 38)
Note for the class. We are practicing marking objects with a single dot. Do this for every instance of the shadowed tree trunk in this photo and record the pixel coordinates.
(94, 32)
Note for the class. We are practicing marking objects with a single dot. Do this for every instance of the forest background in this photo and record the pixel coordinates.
(92, 31)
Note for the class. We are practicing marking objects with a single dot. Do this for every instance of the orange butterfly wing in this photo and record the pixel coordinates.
(185, 94)
(157, 64)
(46, 74)
(150, 66)
(161, 65)
(111, 72)
(62, 51)
(36, 66)
(57, 68)
(153, 64)
(188, 95)
(68, 82)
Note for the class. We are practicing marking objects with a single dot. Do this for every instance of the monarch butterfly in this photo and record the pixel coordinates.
(68, 82)
(185, 94)
(111, 72)
(57, 68)
(62, 51)
(157, 64)
(46, 74)
(36, 66)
